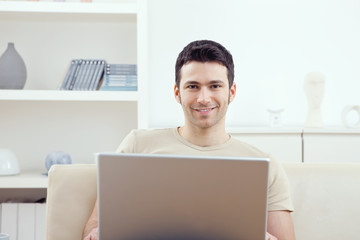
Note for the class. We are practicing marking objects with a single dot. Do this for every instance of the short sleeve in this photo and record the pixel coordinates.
(128, 145)
(279, 197)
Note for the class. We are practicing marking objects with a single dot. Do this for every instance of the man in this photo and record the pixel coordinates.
(204, 75)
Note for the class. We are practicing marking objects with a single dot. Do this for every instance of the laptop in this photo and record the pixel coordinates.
(163, 197)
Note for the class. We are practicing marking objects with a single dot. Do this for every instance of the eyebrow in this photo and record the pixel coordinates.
(217, 82)
(211, 82)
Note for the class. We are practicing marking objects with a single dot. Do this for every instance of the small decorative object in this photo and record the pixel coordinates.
(4, 236)
(345, 118)
(314, 87)
(12, 69)
(275, 117)
(8, 163)
(57, 157)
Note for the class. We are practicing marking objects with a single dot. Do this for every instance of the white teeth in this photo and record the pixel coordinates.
(204, 110)
(201, 109)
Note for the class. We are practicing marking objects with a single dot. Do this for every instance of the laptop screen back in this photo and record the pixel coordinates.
(147, 196)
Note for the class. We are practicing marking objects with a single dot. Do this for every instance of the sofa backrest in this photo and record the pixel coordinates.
(326, 198)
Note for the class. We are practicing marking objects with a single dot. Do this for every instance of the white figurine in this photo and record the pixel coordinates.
(314, 87)
(275, 117)
(345, 113)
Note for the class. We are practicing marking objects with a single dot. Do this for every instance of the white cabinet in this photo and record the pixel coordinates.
(28, 186)
(304, 145)
(40, 119)
(331, 145)
(284, 144)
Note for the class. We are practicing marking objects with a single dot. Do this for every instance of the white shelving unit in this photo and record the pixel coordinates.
(125, 7)
(56, 95)
(40, 118)
(24, 180)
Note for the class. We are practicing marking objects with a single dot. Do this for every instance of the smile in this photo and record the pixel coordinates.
(208, 109)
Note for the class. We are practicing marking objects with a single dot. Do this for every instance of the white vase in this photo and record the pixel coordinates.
(8, 163)
(12, 69)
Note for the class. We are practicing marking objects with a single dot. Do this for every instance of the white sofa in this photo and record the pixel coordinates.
(326, 198)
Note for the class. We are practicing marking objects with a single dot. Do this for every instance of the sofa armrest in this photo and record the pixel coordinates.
(71, 195)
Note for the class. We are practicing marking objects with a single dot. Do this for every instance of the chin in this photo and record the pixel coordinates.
(205, 125)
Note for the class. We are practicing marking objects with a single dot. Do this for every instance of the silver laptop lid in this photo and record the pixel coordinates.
(147, 196)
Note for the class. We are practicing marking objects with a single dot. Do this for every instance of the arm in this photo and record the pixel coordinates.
(280, 225)
(90, 231)
(91, 228)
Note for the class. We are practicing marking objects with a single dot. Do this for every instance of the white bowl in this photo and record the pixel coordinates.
(8, 163)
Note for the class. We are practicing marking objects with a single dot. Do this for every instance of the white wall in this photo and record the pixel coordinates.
(33, 129)
(275, 43)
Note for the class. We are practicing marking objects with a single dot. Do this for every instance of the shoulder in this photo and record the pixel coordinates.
(150, 134)
(246, 149)
(139, 139)
(253, 151)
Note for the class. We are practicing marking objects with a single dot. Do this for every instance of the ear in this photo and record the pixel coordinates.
(177, 94)
(232, 92)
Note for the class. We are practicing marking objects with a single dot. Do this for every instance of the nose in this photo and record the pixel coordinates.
(204, 96)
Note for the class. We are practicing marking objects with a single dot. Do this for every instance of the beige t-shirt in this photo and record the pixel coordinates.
(169, 141)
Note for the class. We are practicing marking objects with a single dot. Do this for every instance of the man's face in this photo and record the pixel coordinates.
(204, 94)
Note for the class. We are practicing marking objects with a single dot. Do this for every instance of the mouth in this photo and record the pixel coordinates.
(204, 109)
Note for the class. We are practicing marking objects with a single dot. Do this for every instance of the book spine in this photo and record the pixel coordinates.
(120, 73)
(124, 88)
(99, 75)
(119, 84)
(121, 77)
(93, 75)
(73, 80)
(86, 75)
(121, 69)
(121, 66)
(68, 83)
(68, 75)
(89, 76)
(80, 76)
(120, 81)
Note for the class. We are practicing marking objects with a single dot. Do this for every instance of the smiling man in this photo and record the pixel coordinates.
(204, 86)
(204, 95)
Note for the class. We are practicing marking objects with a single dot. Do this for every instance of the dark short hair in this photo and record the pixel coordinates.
(205, 51)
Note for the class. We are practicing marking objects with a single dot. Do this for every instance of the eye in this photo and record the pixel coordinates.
(192, 86)
(216, 86)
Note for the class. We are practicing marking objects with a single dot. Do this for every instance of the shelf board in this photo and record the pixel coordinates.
(69, 7)
(265, 130)
(24, 180)
(293, 130)
(57, 95)
(332, 130)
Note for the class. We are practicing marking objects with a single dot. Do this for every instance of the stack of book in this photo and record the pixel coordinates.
(84, 74)
(120, 77)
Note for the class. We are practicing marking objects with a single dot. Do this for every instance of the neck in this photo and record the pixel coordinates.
(204, 137)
